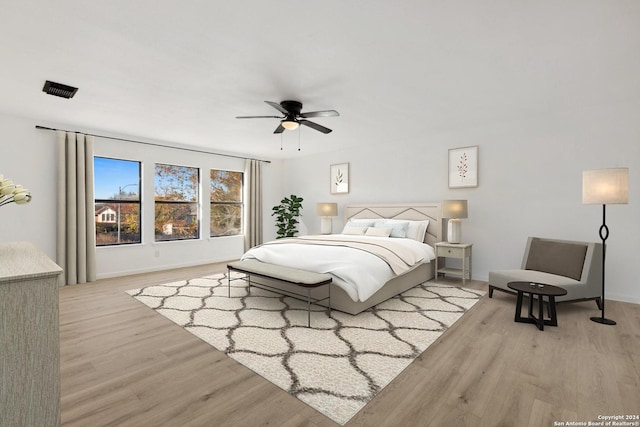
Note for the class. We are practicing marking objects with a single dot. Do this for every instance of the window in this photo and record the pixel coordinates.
(226, 203)
(176, 203)
(117, 201)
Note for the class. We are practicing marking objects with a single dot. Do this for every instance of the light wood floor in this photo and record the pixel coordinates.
(124, 365)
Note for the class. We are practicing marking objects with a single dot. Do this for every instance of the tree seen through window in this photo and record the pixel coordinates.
(226, 202)
(176, 202)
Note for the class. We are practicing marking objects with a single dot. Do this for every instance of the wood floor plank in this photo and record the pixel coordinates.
(122, 364)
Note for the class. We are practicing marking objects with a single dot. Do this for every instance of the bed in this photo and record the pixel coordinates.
(342, 297)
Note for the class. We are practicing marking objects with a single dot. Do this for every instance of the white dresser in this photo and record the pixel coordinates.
(29, 337)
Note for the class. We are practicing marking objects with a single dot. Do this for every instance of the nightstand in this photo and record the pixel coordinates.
(454, 250)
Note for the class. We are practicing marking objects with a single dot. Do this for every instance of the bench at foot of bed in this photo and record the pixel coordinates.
(292, 276)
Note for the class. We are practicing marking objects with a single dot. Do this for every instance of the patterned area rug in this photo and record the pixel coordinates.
(337, 365)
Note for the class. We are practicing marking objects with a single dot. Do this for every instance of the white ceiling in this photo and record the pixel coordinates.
(180, 71)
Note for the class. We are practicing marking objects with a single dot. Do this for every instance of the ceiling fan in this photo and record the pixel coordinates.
(294, 117)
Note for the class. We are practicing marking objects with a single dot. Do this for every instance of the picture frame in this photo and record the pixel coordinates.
(463, 167)
(339, 178)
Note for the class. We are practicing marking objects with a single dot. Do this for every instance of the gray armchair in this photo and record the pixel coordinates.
(574, 266)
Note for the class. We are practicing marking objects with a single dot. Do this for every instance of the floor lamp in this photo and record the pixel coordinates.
(605, 187)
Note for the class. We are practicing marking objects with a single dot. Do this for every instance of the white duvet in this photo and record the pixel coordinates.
(359, 273)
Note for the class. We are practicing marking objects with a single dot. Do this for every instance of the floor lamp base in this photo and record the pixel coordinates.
(603, 320)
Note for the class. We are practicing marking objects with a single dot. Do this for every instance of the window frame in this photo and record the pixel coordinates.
(114, 203)
(195, 203)
(228, 203)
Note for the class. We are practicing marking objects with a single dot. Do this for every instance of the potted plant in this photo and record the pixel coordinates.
(286, 214)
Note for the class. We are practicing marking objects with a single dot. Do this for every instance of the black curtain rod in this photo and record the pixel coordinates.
(155, 145)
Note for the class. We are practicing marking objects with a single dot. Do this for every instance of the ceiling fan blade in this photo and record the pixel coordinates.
(258, 117)
(277, 107)
(279, 129)
(326, 113)
(315, 126)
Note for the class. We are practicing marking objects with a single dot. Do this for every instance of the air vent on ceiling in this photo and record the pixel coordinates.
(58, 89)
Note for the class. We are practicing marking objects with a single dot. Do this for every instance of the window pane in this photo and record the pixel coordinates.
(178, 183)
(226, 186)
(176, 206)
(116, 179)
(225, 195)
(226, 220)
(111, 232)
(176, 221)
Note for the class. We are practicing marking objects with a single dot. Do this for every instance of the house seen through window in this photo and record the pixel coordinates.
(117, 201)
(226, 202)
(176, 202)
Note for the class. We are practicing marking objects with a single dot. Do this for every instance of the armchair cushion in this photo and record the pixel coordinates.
(563, 259)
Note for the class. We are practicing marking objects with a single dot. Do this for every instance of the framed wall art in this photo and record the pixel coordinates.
(340, 178)
(463, 167)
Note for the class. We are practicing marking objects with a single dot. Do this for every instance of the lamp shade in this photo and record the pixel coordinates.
(327, 209)
(454, 209)
(605, 186)
(289, 124)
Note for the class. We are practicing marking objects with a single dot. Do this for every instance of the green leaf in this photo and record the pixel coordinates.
(286, 213)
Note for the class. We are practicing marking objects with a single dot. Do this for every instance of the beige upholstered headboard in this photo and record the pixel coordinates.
(413, 211)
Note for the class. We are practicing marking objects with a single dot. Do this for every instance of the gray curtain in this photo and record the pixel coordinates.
(253, 204)
(76, 235)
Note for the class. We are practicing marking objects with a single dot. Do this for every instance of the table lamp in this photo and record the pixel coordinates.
(453, 210)
(326, 211)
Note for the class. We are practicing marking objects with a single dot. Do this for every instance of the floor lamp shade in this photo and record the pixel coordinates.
(605, 187)
(454, 210)
(326, 211)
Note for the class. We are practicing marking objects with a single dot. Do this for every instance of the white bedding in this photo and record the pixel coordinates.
(359, 273)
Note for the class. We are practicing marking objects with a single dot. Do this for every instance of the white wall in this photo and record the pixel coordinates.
(530, 184)
(28, 157)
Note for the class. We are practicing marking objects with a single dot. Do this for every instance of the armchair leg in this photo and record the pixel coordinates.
(599, 303)
(490, 291)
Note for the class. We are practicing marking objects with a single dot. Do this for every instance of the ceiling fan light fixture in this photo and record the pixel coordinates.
(292, 117)
(290, 124)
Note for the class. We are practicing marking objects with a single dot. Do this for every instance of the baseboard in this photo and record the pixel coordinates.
(160, 268)
(621, 298)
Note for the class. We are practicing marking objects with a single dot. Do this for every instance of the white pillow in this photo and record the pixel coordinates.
(378, 231)
(417, 230)
(398, 228)
(358, 231)
(358, 222)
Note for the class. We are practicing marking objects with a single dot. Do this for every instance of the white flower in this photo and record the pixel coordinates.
(7, 187)
(10, 192)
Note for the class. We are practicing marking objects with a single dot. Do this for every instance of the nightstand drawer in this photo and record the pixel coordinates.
(451, 252)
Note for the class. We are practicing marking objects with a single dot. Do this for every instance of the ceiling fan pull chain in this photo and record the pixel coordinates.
(280, 142)
(299, 130)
